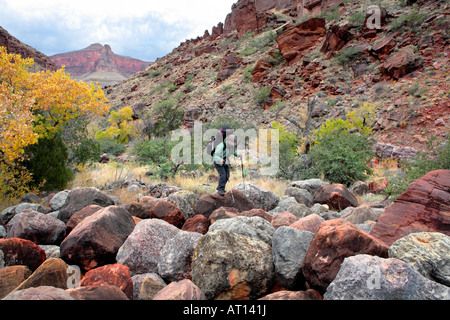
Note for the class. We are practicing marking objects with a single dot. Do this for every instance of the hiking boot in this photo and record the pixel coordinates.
(221, 193)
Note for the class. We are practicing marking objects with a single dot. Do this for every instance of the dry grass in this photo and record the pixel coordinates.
(99, 175)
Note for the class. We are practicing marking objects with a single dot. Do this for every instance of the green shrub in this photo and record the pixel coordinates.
(47, 162)
(342, 157)
(111, 147)
(87, 150)
(261, 95)
(411, 20)
(168, 116)
(345, 56)
(156, 152)
(358, 17)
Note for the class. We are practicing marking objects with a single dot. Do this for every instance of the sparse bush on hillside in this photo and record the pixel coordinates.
(168, 117)
(289, 161)
(421, 164)
(411, 21)
(346, 56)
(261, 95)
(260, 43)
(342, 149)
(330, 14)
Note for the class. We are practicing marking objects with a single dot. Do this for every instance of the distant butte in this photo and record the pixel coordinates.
(98, 63)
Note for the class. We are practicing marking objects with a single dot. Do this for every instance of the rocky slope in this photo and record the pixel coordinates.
(14, 45)
(272, 56)
(315, 243)
(98, 63)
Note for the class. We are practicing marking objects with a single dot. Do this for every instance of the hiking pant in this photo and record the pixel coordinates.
(224, 176)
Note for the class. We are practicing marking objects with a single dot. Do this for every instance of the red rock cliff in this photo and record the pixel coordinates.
(98, 58)
(14, 45)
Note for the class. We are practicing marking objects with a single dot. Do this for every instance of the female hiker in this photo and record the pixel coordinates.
(221, 160)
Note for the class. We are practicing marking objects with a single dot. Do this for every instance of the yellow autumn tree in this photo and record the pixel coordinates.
(122, 126)
(34, 106)
(16, 106)
(58, 99)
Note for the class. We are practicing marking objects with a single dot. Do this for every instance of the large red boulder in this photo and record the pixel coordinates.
(79, 216)
(262, 68)
(336, 196)
(401, 63)
(424, 207)
(22, 252)
(300, 37)
(229, 63)
(309, 223)
(95, 240)
(110, 275)
(337, 37)
(208, 203)
(168, 212)
(198, 223)
(334, 241)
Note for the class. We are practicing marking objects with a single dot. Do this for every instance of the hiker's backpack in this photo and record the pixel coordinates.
(217, 139)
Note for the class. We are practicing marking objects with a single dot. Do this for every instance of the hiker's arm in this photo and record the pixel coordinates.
(218, 154)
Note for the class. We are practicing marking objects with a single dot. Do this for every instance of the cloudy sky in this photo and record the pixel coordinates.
(143, 29)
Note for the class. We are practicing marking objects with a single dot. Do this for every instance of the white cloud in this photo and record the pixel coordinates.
(54, 25)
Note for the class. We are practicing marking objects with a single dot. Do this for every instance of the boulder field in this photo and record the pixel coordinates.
(316, 242)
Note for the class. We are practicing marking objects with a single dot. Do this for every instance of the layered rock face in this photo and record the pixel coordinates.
(99, 63)
(424, 207)
(13, 45)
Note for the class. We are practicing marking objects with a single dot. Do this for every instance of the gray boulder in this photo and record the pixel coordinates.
(311, 185)
(283, 205)
(58, 200)
(230, 266)
(427, 252)
(360, 215)
(51, 251)
(299, 210)
(289, 248)
(140, 278)
(2, 232)
(359, 188)
(176, 256)
(302, 196)
(10, 212)
(366, 277)
(253, 227)
(261, 198)
(141, 251)
(180, 201)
